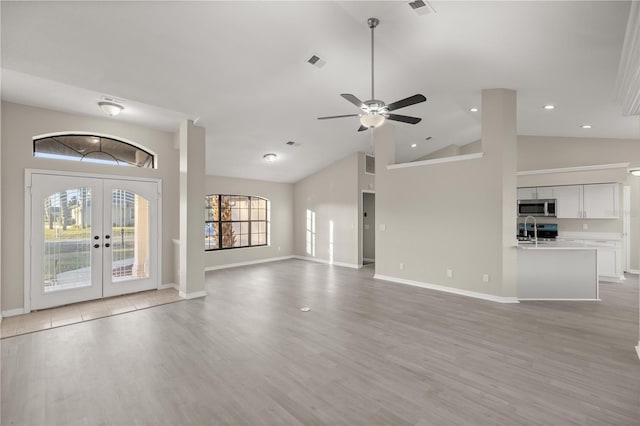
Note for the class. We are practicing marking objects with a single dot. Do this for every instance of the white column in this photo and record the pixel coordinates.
(499, 144)
(192, 177)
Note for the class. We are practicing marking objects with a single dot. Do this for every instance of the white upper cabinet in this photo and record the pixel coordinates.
(568, 201)
(601, 201)
(526, 193)
(593, 201)
(545, 192)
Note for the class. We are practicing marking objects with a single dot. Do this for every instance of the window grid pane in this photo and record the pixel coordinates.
(235, 221)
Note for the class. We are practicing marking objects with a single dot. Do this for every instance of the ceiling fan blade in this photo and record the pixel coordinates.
(403, 118)
(351, 98)
(338, 116)
(411, 100)
(362, 128)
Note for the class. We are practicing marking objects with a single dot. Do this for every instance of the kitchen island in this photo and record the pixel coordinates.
(557, 271)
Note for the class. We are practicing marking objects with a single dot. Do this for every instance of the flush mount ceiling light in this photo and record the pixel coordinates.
(549, 107)
(413, 145)
(110, 108)
(635, 172)
(474, 109)
(269, 158)
(585, 126)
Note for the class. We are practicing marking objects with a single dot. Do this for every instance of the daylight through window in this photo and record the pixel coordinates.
(234, 221)
(91, 148)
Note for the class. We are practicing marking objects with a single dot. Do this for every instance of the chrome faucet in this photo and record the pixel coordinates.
(535, 228)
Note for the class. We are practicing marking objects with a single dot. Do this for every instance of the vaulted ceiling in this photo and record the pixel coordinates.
(240, 69)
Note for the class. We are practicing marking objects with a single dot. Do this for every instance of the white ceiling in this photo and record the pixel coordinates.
(240, 69)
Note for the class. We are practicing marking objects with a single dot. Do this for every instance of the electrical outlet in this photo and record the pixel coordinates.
(449, 273)
(485, 278)
(585, 227)
(402, 266)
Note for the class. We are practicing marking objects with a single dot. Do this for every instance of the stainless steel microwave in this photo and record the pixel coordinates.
(537, 207)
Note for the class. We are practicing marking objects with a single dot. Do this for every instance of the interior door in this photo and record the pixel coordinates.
(91, 238)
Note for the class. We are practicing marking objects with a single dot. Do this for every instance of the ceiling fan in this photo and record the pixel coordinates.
(374, 111)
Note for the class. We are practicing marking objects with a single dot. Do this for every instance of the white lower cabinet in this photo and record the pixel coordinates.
(609, 257)
(607, 262)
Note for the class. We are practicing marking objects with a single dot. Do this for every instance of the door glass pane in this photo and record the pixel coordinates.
(129, 235)
(67, 240)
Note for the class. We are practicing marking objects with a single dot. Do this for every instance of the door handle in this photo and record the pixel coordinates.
(95, 237)
(107, 245)
(96, 246)
(107, 236)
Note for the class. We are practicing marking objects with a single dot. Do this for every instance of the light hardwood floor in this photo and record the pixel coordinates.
(368, 353)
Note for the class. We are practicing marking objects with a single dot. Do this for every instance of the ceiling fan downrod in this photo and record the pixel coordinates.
(373, 23)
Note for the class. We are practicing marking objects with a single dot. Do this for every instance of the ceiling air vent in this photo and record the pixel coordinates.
(422, 7)
(316, 61)
(292, 143)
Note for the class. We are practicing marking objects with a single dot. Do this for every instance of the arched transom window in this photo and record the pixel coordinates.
(92, 148)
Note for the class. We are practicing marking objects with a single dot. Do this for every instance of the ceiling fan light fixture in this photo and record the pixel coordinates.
(269, 158)
(110, 108)
(372, 120)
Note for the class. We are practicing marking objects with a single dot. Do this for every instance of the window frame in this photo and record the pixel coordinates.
(249, 221)
(153, 164)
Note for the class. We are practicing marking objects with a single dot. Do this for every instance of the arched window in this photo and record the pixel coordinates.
(92, 148)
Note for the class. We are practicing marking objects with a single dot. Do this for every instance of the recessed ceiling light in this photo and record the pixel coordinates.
(474, 109)
(585, 126)
(549, 107)
(270, 158)
(413, 145)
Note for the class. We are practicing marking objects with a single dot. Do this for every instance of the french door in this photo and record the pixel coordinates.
(91, 238)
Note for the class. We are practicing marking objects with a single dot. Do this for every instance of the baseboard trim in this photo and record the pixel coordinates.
(194, 295)
(326, 262)
(611, 279)
(167, 285)
(368, 259)
(247, 263)
(460, 292)
(12, 312)
(634, 271)
(540, 299)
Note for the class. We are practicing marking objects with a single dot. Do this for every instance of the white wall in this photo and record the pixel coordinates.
(280, 196)
(333, 195)
(456, 215)
(20, 124)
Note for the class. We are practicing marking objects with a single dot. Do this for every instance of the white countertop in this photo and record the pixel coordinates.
(554, 245)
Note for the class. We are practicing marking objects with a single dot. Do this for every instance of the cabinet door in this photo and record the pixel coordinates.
(526, 193)
(569, 201)
(601, 201)
(546, 192)
(607, 262)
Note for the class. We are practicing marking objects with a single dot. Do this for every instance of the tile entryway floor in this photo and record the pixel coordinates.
(85, 311)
